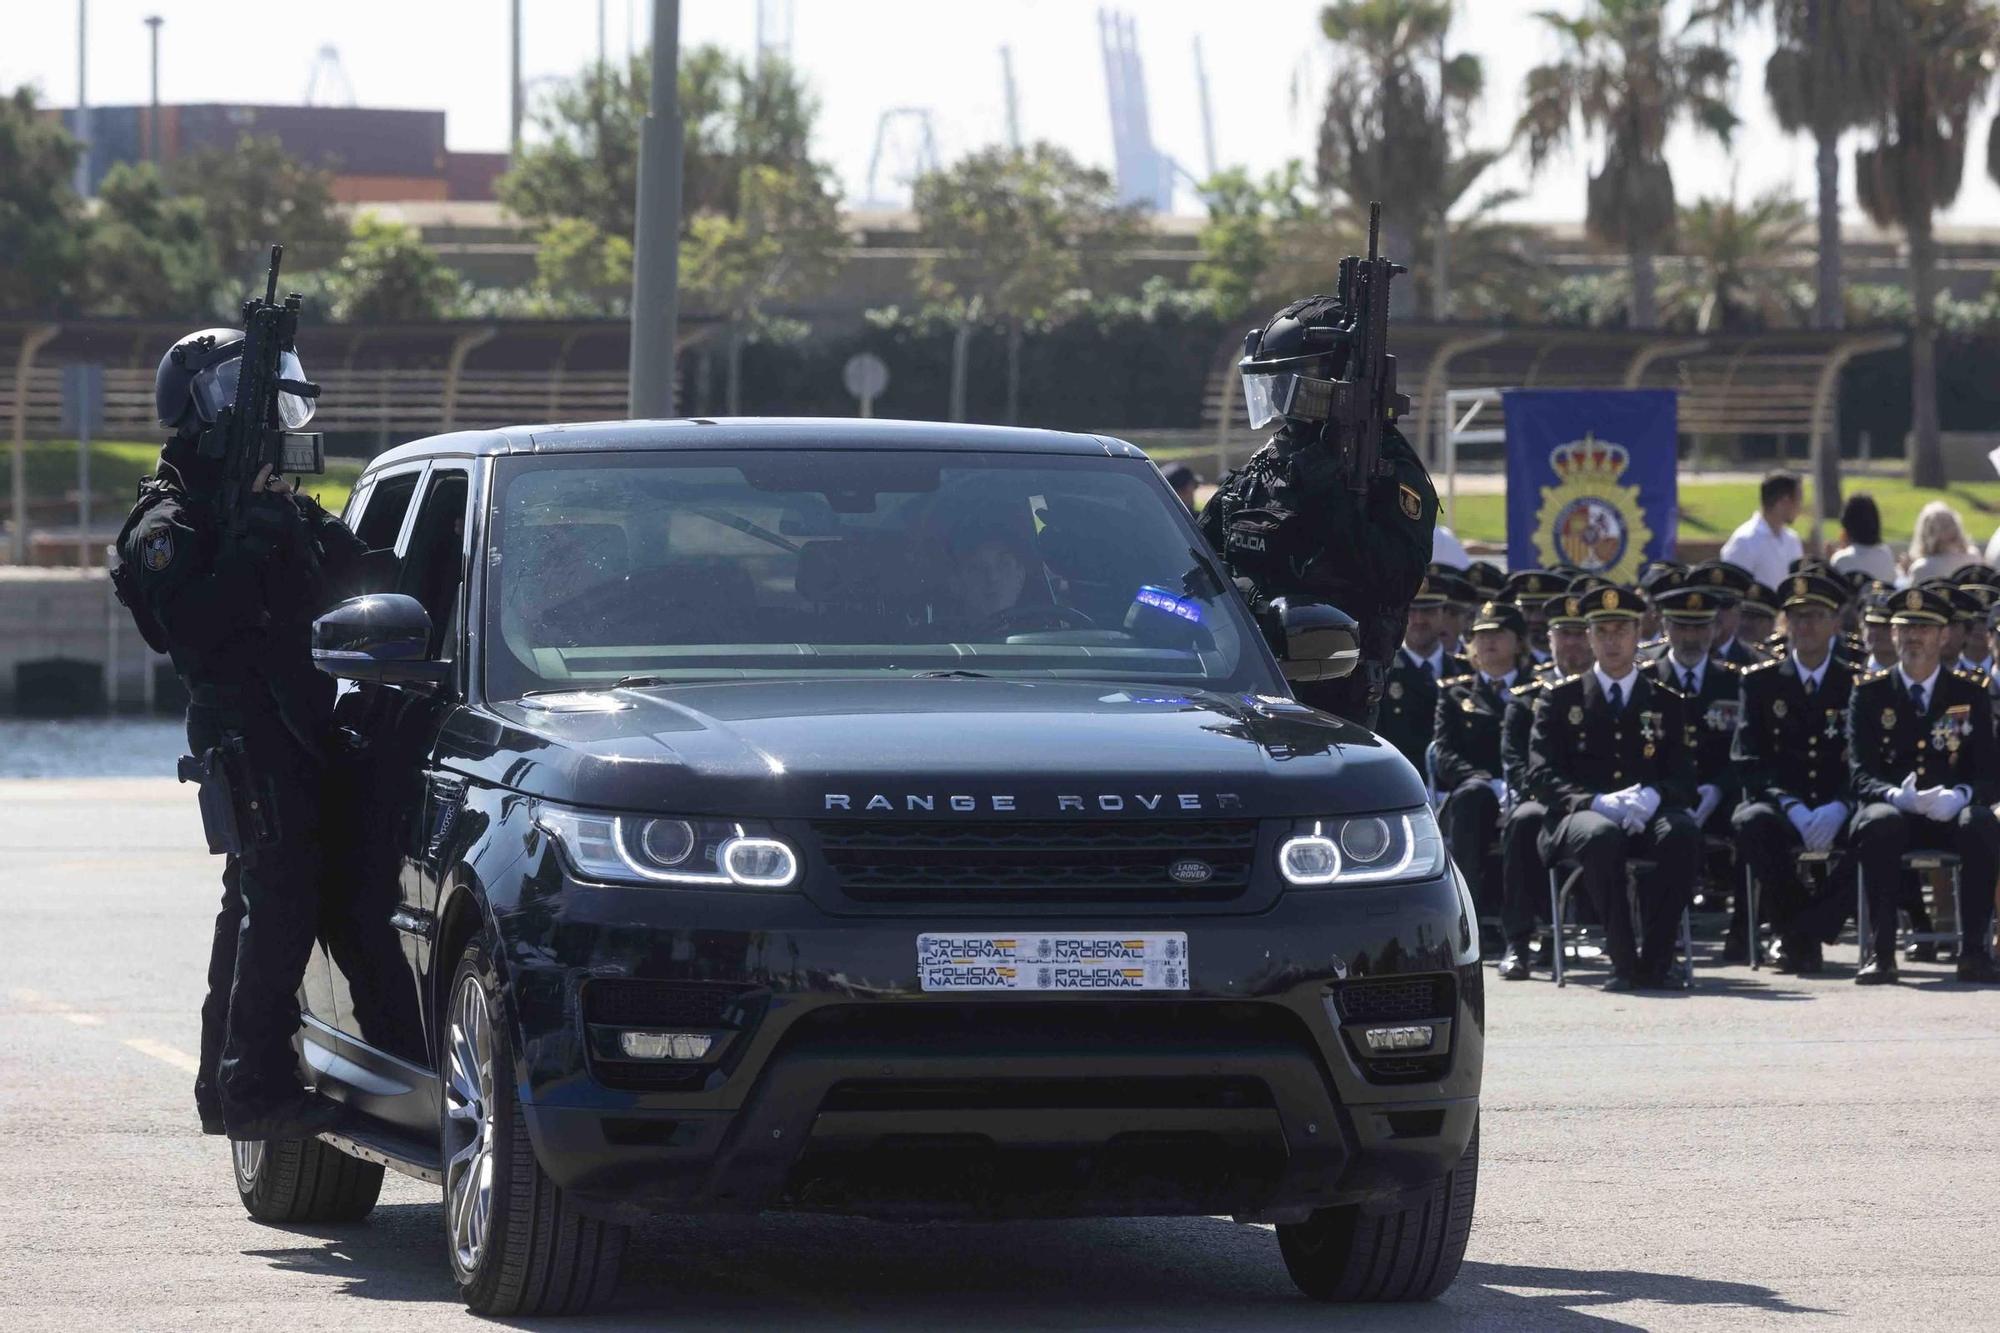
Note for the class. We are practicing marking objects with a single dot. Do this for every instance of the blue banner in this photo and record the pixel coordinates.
(1591, 479)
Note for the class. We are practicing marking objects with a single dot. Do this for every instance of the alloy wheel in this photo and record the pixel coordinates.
(249, 1158)
(468, 1126)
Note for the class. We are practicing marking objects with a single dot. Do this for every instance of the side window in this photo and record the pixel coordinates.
(434, 565)
(382, 519)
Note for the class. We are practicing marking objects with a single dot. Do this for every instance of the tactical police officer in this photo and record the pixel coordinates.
(1790, 752)
(233, 611)
(1289, 521)
(1608, 758)
(1922, 762)
(1468, 769)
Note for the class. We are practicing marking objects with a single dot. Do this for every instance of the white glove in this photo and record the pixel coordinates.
(1905, 798)
(1709, 796)
(1826, 823)
(1646, 801)
(1611, 805)
(1499, 786)
(1801, 816)
(1946, 802)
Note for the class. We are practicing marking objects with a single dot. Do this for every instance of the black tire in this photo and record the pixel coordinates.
(535, 1253)
(1408, 1253)
(303, 1180)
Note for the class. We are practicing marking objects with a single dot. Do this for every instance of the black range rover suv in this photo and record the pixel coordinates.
(866, 817)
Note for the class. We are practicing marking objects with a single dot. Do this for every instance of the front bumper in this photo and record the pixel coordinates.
(841, 1086)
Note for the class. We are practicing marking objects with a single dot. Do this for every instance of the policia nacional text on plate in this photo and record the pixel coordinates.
(1076, 961)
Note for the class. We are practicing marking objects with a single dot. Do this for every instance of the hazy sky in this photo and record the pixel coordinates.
(865, 56)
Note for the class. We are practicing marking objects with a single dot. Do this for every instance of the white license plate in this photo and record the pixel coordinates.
(1085, 962)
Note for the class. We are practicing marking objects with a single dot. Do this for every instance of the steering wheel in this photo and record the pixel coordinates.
(1027, 619)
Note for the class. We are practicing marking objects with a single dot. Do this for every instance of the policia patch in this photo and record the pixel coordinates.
(158, 549)
(1413, 504)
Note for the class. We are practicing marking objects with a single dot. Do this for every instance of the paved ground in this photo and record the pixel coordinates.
(1762, 1153)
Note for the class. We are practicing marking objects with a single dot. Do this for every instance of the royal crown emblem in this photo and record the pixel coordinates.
(1799, 587)
(1611, 599)
(1914, 601)
(1591, 518)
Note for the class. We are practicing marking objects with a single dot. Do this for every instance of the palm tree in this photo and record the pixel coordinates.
(1939, 68)
(1623, 77)
(1828, 76)
(1733, 257)
(1388, 132)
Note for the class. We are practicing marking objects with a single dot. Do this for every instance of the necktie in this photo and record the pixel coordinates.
(1430, 672)
(1917, 697)
(1687, 682)
(1617, 697)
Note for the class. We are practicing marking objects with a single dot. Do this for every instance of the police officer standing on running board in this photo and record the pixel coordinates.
(231, 601)
(1336, 508)
(1924, 764)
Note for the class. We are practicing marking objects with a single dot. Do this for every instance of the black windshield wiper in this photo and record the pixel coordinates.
(953, 674)
(638, 682)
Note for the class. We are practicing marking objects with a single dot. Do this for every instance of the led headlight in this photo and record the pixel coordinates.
(643, 849)
(1363, 849)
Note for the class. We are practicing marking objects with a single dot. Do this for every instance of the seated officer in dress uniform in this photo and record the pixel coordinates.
(1756, 626)
(1923, 763)
(1531, 589)
(1524, 879)
(1876, 635)
(1486, 578)
(1653, 575)
(1731, 584)
(1790, 752)
(1467, 766)
(1969, 604)
(1712, 691)
(1608, 757)
(1457, 609)
(1410, 695)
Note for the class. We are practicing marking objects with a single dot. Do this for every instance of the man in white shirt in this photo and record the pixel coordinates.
(1765, 544)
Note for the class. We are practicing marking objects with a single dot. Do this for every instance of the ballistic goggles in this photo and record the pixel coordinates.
(214, 388)
(1273, 394)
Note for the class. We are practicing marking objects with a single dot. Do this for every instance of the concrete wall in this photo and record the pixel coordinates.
(70, 613)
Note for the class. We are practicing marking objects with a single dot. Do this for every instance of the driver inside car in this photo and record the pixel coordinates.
(986, 578)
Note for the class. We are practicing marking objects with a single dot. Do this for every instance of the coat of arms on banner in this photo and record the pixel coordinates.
(1590, 517)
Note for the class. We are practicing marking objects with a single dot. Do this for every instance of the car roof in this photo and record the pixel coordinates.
(751, 433)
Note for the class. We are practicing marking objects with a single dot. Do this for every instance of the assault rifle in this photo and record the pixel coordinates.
(1366, 400)
(248, 434)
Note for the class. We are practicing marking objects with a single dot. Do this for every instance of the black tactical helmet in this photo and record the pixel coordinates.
(173, 382)
(1288, 365)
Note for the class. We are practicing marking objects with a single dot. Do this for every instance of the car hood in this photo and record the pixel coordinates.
(915, 747)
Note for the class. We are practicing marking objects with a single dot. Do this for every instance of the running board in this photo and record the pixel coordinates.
(384, 1148)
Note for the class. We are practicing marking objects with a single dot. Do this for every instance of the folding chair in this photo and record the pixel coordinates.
(1563, 887)
(1752, 892)
(1924, 861)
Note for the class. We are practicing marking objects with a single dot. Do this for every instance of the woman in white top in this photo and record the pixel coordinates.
(1939, 547)
(1861, 544)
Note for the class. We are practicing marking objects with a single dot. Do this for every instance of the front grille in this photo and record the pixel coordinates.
(660, 1004)
(1095, 861)
(1394, 999)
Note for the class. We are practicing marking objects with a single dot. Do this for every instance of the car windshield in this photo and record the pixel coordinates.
(691, 565)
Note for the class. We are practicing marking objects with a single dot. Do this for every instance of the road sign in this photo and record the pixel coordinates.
(83, 417)
(865, 376)
(82, 399)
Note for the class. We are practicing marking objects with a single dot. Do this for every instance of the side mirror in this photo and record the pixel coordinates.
(1313, 641)
(383, 637)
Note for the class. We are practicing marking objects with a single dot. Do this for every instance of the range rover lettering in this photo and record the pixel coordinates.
(862, 817)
